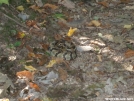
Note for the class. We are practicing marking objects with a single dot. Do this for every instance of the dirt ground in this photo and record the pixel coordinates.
(103, 69)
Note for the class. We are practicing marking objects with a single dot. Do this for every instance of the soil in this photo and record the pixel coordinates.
(104, 39)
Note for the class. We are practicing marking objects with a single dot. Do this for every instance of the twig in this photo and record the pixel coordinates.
(14, 20)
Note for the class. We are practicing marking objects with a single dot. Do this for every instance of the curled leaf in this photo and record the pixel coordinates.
(20, 8)
(71, 31)
(129, 53)
(25, 74)
(30, 68)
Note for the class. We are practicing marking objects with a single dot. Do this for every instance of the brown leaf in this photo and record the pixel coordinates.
(30, 23)
(57, 37)
(51, 6)
(103, 3)
(27, 74)
(29, 48)
(35, 86)
(63, 74)
(31, 55)
(43, 60)
(37, 99)
(124, 1)
(129, 53)
(45, 46)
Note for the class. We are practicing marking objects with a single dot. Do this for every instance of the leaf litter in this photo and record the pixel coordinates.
(104, 57)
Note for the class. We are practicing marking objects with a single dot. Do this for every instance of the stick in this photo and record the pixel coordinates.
(14, 20)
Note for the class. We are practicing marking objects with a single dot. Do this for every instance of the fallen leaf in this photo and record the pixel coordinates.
(25, 74)
(94, 23)
(51, 63)
(103, 3)
(51, 6)
(129, 53)
(20, 8)
(67, 3)
(37, 99)
(23, 16)
(31, 55)
(63, 74)
(45, 46)
(39, 3)
(20, 35)
(71, 31)
(57, 37)
(29, 48)
(30, 23)
(30, 68)
(35, 86)
(124, 1)
(38, 9)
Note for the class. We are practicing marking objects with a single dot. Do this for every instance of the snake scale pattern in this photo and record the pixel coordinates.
(63, 49)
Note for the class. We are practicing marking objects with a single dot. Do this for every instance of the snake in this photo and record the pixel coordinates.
(63, 49)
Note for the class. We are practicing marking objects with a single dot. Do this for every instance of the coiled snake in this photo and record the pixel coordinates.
(63, 49)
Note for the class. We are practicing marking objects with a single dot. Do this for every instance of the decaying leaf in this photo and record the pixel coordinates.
(25, 74)
(29, 48)
(30, 68)
(35, 86)
(20, 35)
(57, 37)
(103, 3)
(67, 3)
(94, 23)
(5, 82)
(45, 46)
(20, 8)
(31, 55)
(37, 8)
(49, 78)
(71, 31)
(129, 53)
(51, 63)
(39, 3)
(30, 23)
(51, 6)
(124, 1)
(63, 74)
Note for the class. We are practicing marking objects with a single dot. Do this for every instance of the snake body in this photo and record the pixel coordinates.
(63, 49)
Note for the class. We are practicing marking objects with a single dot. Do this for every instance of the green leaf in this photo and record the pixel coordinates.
(16, 44)
(58, 16)
(4, 1)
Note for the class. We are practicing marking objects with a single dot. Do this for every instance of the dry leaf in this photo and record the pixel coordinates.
(35, 86)
(124, 1)
(103, 3)
(20, 35)
(30, 23)
(29, 48)
(37, 99)
(51, 6)
(36, 8)
(71, 31)
(129, 53)
(57, 37)
(20, 8)
(63, 74)
(43, 60)
(67, 3)
(51, 63)
(25, 74)
(30, 68)
(31, 55)
(45, 46)
(94, 23)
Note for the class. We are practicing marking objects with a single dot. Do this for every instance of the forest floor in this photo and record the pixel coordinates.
(102, 32)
